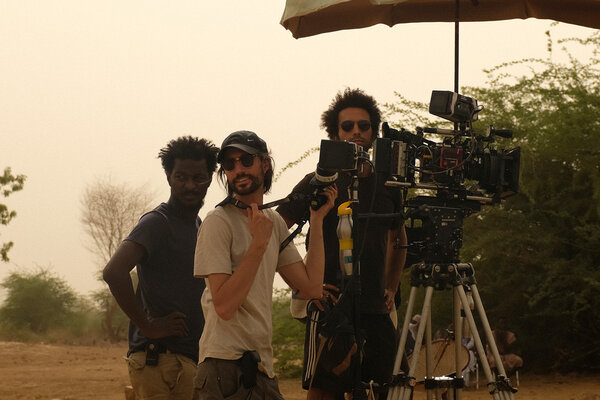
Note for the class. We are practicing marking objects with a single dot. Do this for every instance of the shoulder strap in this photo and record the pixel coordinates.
(234, 201)
(292, 235)
(242, 205)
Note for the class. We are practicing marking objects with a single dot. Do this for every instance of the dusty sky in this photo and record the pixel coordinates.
(90, 89)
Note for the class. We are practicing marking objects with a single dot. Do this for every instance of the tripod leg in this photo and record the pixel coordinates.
(429, 366)
(488, 332)
(405, 393)
(404, 334)
(498, 395)
(501, 379)
(395, 390)
(458, 334)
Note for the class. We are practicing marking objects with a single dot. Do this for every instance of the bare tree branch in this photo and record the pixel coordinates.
(109, 211)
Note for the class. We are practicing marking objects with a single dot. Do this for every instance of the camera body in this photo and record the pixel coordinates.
(414, 160)
(339, 156)
(453, 106)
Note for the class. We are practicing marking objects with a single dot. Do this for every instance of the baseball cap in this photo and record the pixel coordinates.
(244, 140)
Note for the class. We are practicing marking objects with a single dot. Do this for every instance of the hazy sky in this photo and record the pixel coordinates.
(90, 89)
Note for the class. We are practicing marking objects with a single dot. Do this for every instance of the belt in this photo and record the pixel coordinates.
(158, 348)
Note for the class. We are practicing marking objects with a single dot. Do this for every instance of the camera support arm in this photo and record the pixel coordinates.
(358, 392)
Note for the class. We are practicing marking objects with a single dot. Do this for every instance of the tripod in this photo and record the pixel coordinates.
(442, 222)
(461, 277)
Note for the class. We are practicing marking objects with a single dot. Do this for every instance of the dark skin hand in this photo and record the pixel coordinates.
(170, 325)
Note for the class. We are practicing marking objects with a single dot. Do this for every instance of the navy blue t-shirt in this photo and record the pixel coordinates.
(166, 277)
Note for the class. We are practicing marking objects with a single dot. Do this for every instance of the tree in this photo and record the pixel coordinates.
(109, 212)
(8, 184)
(37, 301)
(536, 255)
(553, 270)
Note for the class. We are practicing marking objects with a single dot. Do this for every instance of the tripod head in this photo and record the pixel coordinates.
(435, 227)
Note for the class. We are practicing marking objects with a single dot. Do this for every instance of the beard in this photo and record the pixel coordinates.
(255, 184)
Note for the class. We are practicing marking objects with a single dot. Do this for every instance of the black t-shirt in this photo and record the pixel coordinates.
(374, 242)
(166, 277)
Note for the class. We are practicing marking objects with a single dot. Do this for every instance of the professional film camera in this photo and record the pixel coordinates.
(463, 155)
(453, 177)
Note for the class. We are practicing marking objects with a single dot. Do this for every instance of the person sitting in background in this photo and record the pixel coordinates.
(505, 340)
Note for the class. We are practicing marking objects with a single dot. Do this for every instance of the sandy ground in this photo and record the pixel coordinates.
(52, 372)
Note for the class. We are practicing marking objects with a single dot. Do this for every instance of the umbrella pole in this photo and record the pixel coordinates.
(456, 43)
(456, 47)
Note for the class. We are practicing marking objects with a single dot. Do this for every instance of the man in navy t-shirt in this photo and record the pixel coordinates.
(165, 312)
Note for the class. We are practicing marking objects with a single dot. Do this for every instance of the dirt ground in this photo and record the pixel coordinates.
(40, 371)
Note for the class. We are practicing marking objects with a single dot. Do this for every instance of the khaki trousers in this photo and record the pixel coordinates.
(171, 379)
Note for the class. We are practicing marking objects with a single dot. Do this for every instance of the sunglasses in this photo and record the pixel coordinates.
(247, 160)
(363, 125)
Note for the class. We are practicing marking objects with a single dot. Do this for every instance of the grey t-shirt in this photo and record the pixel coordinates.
(223, 240)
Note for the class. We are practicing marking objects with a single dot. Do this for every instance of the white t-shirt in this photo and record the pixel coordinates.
(223, 240)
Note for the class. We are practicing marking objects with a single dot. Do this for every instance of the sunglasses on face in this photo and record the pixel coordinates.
(363, 125)
(247, 160)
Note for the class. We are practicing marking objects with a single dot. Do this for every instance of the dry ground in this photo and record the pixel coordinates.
(39, 371)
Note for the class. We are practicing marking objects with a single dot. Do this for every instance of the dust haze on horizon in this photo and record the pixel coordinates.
(94, 89)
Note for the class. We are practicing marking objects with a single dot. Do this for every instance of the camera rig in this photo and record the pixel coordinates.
(452, 177)
(451, 180)
(460, 173)
(463, 155)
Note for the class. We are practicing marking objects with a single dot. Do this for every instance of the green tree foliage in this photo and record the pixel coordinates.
(288, 337)
(9, 183)
(536, 255)
(37, 301)
(40, 306)
(543, 246)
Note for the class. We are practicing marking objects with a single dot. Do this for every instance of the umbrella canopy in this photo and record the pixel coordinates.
(312, 17)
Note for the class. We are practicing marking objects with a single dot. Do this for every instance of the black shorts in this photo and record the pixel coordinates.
(379, 353)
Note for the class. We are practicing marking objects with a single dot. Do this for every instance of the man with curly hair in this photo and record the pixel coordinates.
(354, 116)
(165, 312)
